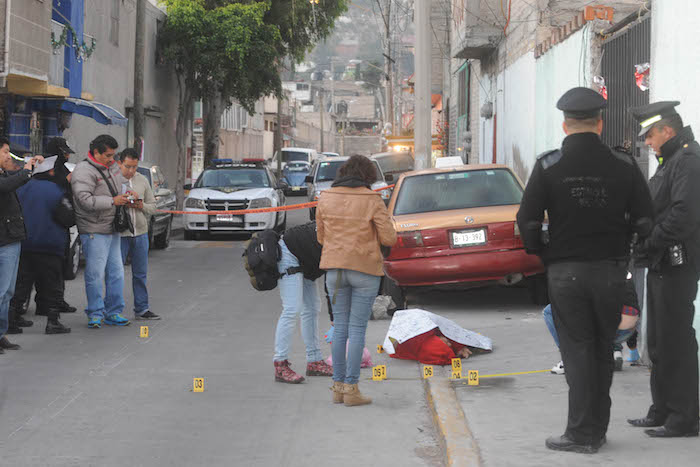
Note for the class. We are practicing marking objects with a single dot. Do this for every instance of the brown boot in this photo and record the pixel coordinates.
(352, 396)
(337, 389)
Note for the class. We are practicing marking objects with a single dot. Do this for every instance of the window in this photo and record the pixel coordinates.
(114, 23)
(457, 190)
(463, 90)
(244, 117)
(244, 178)
(198, 109)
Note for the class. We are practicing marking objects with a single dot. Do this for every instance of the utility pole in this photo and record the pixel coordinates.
(277, 145)
(389, 94)
(320, 100)
(139, 59)
(422, 135)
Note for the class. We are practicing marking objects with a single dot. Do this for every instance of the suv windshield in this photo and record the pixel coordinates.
(457, 190)
(297, 167)
(145, 172)
(290, 156)
(327, 171)
(395, 163)
(243, 178)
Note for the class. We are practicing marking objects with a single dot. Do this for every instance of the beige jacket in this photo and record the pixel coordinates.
(351, 223)
(140, 218)
(94, 206)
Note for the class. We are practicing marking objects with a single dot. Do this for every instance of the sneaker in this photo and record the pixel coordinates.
(634, 356)
(284, 374)
(618, 360)
(319, 368)
(95, 323)
(558, 369)
(148, 316)
(117, 320)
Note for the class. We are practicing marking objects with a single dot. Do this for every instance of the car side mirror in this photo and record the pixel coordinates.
(188, 186)
(389, 178)
(309, 179)
(282, 185)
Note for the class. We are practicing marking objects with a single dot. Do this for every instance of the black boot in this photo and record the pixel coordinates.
(15, 321)
(7, 345)
(53, 325)
(66, 308)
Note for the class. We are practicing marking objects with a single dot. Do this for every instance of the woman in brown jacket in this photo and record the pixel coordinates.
(352, 224)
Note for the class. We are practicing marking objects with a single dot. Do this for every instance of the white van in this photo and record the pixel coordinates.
(293, 155)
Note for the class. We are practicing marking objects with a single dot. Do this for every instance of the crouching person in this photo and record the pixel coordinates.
(299, 266)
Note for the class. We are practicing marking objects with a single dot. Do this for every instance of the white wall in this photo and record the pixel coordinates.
(564, 66)
(675, 64)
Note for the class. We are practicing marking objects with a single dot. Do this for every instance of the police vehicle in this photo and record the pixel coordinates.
(228, 185)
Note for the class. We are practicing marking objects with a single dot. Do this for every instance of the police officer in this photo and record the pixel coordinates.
(673, 254)
(592, 196)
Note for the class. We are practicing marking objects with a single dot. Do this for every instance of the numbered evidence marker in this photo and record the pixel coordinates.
(427, 372)
(380, 349)
(456, 374)
(473, 377)
(379, 373)
(457, 364)
(144, 331)
(198, 385)
(383, 368)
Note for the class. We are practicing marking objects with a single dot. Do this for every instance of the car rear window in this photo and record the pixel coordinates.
(328, 171)
(291, 156)
(457, 190)
(396, 163)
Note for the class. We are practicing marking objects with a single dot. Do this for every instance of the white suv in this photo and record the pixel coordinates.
(229, 185)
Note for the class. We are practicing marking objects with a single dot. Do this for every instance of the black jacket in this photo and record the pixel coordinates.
(302, 243)
(11, 219)
(592, 195)
(675, 189)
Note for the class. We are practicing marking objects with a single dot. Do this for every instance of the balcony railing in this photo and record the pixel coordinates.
(58, 57)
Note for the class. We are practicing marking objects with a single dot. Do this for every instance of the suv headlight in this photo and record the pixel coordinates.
(260, 203)
(386, 193)
(195, 203)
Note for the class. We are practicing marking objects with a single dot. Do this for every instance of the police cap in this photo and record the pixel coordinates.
(58, 145)
(581, 103)
(649, 114)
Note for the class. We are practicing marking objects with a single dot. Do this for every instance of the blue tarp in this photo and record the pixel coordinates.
(101, 113)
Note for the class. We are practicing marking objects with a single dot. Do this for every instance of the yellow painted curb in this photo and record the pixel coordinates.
(459, 445)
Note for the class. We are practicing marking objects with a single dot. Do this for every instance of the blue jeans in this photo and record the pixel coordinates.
(621, 336)
(9, 263)
(299, 297)
(103, 269)
(354, 293)
(138, 246)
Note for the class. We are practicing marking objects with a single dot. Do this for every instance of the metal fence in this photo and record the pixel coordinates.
(620, 54)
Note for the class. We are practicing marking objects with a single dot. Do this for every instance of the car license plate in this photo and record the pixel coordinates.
(228, 218)
(469, 237)
(296, 188)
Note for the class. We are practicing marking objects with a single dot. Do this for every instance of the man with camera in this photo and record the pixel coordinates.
(142, 205)
(672, 254)
(12, 230)
(96, 184)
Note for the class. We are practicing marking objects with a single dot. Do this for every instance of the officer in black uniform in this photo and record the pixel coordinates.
(593, 196)
(672, 252)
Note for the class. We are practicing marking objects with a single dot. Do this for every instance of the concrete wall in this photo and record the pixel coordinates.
(108, 76)
(351, 145)
(675, 66)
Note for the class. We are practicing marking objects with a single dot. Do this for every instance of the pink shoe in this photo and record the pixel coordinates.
(284, 374)
(319, 368)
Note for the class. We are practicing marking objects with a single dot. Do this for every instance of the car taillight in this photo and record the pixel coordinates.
(409, 240)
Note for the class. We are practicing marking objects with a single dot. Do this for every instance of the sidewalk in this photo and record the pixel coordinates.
(510, 417)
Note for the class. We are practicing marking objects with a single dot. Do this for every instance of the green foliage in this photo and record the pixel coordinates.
(372, 76)
(228, 48)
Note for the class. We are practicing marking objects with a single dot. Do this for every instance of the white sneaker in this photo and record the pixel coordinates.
(558, 369)
(618, 360)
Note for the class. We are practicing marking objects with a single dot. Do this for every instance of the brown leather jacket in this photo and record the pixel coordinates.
(351, 223)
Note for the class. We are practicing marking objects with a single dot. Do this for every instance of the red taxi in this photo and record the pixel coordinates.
(457, 226)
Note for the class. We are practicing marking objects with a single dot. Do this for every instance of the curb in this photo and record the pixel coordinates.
(456, 438)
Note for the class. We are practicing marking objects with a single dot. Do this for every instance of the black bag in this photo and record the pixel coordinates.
(64, 214)
(122, 219)
(262, 252)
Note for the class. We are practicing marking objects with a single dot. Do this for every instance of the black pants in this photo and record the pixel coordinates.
(673, 349)
(587, 299)
(44, 271)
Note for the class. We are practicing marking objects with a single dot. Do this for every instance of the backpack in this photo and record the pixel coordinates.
(262, 252)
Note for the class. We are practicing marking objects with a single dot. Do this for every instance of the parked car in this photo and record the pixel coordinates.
(229, 185)
(160, 224)
(294, 174)
(323, 174)
(457, 226)
(293, 154)
(394, 164)
(330, 154)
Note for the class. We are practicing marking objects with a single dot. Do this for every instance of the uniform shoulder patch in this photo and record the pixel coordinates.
(623, 156)
(549, 158)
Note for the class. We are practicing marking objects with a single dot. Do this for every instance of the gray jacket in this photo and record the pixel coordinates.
(94, 208)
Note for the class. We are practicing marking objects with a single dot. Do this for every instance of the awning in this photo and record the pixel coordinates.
(101, 113)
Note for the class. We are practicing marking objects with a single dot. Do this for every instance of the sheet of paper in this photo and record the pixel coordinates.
(407, 324)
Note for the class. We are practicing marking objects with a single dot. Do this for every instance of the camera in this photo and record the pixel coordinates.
(676, 255)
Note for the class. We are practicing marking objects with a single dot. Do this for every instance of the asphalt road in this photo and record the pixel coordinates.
(110, 398)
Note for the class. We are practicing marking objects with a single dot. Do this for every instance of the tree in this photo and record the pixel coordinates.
(301, 25)
(225, 51)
